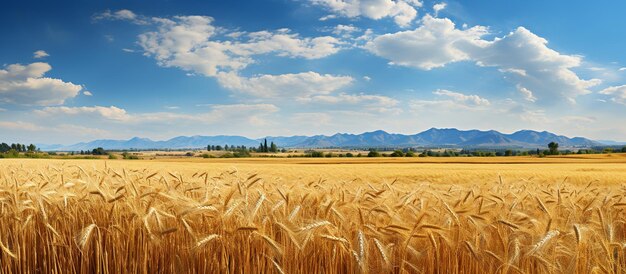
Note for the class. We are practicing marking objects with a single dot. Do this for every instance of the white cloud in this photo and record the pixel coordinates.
(618, 94)
(40, 54)
(403, 12)
(355, 99)
(528, 95)
(190, 43)
(439, 7)
(455, 100)
(296, 85)
(578, 119)
(547, 72)
(434, 44)
(123, 15)
(111, 113)
(25, 85)
(345, 30)
(19, 125)
(462, 98)
(367, 78)
(328, 17)
(285, 43)
(622, 69)
(522, 55)
(87, 93)
(217, 114)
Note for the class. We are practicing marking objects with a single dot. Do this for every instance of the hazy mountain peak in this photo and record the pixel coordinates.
(433, 137)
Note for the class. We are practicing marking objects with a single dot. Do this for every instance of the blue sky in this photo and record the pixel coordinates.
(81, 70)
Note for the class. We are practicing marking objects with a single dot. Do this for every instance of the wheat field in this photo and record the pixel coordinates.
(96, 216)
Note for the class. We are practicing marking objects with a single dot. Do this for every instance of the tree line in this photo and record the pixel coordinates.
(263, 147)
(4, 148)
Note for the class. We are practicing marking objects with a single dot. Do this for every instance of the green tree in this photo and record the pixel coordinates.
(4, 147)
(31, 148)
(373, 153)
(265, 149)
(98, 151)
(624, 149)
(397, 153)
(508, 152)
(208, 148)
(554, 148)
(273, 148)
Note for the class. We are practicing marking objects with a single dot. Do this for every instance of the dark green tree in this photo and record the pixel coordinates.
(98, 151)
(373, 153)
(554, 148)
(273, 148)
(265, 149)
(4, 147)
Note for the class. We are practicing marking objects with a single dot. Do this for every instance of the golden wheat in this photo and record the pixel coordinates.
(76, 219)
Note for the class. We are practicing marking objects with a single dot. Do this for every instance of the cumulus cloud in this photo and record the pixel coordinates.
(434, 44)
(122, 15)
(345, 31)
(295, 85)
(452, 100)
(191, 43)
(439, 7)
(462, 98)
(26, 85)
(40, 54)
(528, 95)
(402, 12)
(545, 71)
(522, 55)
(617, 93)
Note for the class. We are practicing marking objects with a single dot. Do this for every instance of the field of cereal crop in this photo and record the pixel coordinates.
(559, 215)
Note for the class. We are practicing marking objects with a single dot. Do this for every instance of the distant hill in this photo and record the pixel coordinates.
(434, 137)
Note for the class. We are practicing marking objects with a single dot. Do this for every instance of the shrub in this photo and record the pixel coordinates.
(315, 154)
(373, 153)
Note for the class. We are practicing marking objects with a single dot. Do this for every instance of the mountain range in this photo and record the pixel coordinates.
(434, 137)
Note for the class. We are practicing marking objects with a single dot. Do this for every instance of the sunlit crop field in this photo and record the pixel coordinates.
(560, 215)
